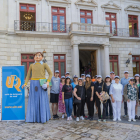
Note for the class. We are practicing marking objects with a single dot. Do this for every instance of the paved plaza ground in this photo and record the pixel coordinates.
(71, 130)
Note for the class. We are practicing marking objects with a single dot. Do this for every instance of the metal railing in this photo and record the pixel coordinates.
(40, 26)
(123, 32)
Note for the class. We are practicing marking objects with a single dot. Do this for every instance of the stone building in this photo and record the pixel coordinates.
(76, 34)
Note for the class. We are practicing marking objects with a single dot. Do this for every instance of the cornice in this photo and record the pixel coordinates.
(90, 3)
(59, 1)
(111, 5)
(134, 8)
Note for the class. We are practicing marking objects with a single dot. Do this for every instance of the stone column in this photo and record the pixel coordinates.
(106, 60)
(75, 60)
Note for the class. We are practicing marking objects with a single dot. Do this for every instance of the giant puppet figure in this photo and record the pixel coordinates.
(38, 104)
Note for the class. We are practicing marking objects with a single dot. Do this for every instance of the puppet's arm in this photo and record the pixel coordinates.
(49, 72)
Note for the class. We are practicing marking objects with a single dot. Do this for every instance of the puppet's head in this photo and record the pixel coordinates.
(38, 56)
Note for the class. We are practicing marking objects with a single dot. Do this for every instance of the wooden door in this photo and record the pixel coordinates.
(93, 64)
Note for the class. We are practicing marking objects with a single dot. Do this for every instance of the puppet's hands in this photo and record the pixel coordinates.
(47, 84)
(23, 86)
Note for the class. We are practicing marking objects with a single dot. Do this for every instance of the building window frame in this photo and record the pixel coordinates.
(110, 19)
(134, 59)
(113, 61)
(28, 61)
(58, 24)
(133, 21)
(59, 63)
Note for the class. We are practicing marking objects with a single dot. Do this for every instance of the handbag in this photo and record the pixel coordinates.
(44, 81)
(76, 101)
(104, 96)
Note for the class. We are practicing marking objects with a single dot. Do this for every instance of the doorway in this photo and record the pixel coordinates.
(88, 62)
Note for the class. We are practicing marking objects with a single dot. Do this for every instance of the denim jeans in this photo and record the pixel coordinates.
(69, 106)
(110, 108)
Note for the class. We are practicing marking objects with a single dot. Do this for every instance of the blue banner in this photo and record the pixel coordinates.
(13, 97)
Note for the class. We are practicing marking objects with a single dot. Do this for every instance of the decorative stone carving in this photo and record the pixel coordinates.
(91, 3)
(111, 5)
(59, 1)
(132, 8)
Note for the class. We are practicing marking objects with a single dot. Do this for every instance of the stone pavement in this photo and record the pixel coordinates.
(71, 130)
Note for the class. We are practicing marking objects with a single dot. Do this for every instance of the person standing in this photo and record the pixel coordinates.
(100, 88)
(67, 74)
(116, 92)
(54, 93)
(112, 76)
(61, 106)
(125, 81)
(67, 98)
(74, 83)
(38, 109)
(89, 86)
(137, 82)
(79, 93)
(131, 97)
(108, 104)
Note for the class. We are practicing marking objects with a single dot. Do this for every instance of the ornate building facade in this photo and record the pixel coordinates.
(77, 35)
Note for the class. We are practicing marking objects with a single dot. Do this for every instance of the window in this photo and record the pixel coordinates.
(58, 19)
(60, 64)
(86, 16)
(112, 21)
(114, 64)
(27, 17)
(136, 64)
(27, 60)
(133, 25)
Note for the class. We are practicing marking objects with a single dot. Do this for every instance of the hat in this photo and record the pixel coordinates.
(126, 72)
(112, 72)
(67, 73)
(88, 76)
(99, 76)
(117, 77)
(57, 71)
(67, 77)
(82, 74)
(131, 78)
(95, 76)
(75, 76)
(80, 79)
(62, 77)
(107, 76)
(137, 75)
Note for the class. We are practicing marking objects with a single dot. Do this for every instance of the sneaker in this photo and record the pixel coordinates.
(114, 120)
(104, 120)
(124, 116)
(77, 119)
(63, 116)
(71, 118)
(88, 118)
(99, 120)
(129, 120)
(68, 118)
(136, 117)
(54, 116)
(133, 120)
(57, 117)
(119, 119)
(139, 118)
(91, 119)
(82, 118)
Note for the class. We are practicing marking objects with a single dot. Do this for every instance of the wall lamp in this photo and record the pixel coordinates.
(129, 58)
(44, 55)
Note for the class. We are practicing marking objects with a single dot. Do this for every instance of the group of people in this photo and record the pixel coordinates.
(67, 95)
(75, 93)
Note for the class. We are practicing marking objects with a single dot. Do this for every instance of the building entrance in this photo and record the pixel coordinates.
(88, 62)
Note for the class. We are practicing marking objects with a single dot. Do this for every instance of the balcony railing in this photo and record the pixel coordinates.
(40, 26)
(123, 32)
(89, 28)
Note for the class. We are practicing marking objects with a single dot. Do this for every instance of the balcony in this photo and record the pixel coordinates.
(93, 29)
(40, 28)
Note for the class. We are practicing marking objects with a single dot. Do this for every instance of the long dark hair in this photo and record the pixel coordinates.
(66, 81)
(109, 78)
(136, 80)
(88, 84)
